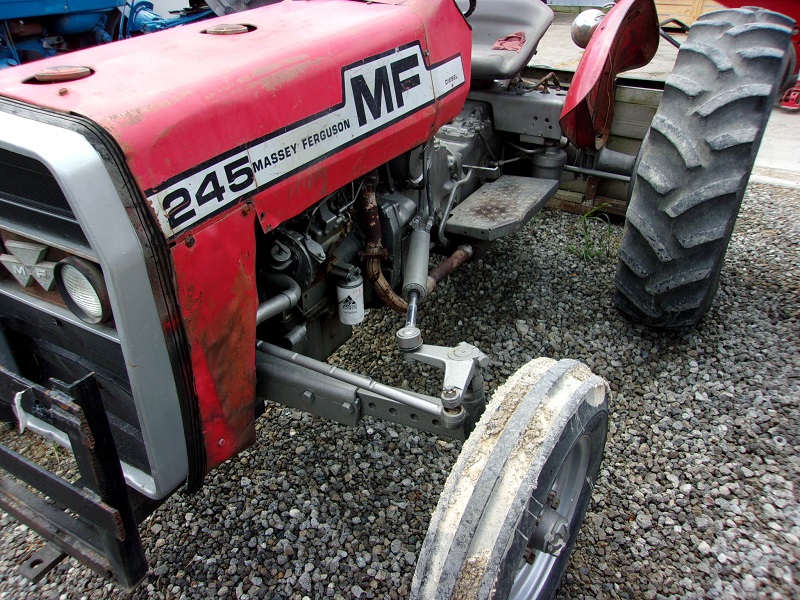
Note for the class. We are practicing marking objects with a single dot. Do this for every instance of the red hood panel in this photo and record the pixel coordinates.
(207, 121)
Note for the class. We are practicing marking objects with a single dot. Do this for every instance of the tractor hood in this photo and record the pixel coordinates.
(276, 106)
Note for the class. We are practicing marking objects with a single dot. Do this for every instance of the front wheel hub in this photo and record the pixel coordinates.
(551, 534)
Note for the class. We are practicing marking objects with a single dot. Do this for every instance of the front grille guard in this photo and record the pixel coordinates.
(101, 527)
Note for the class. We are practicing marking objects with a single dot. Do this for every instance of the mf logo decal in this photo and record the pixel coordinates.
(25, 264)
(377, 92)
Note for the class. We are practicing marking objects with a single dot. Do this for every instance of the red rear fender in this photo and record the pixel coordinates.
(626, 39)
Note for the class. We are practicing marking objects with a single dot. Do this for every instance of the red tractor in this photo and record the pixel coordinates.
(192, 221)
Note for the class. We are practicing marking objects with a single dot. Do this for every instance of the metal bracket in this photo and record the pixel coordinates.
(297, 387)
(92, 519)
(318, 388)
(447, 424)
(672, 24)
(460, 365)
(41, 562)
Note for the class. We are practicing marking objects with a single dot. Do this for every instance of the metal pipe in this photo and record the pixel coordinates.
(450, 201)
(361, 381)
(669, 38)
(382, 287)
(429, 194)
(601, 174)
(420, 182)
(280, 302)
(373, 251)
(446, 267)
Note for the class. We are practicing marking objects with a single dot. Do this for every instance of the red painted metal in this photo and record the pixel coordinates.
(177, 99)
(627, 38)
(218, 301)
(791, 99)
(790, 8)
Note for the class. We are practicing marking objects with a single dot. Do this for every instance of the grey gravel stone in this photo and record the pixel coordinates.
(702, 459)
(644, 521)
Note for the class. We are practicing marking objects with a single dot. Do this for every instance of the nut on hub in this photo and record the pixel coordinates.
(551, 534)
(451, 397)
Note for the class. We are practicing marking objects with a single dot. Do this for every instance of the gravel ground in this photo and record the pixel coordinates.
(697, 496)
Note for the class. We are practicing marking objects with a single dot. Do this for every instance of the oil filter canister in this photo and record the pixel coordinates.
(350, 297)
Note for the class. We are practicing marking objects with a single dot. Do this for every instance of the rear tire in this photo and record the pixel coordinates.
(524, 477)
(694, 165)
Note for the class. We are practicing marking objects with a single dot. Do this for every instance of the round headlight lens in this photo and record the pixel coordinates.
(83, 289)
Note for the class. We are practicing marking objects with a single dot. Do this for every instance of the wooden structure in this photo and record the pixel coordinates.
(685, 10)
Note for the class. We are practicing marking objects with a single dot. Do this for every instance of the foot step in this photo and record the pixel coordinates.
(501, 207)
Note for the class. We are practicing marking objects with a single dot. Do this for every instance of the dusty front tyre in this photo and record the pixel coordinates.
(510, 512)
(694, 165)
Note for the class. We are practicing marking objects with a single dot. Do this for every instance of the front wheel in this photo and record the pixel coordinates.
(510, 512)
(694, 165)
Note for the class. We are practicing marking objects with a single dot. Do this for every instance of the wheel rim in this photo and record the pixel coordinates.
(531, 579)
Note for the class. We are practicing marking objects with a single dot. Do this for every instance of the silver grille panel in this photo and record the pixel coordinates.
(94, 204)
(31, 197)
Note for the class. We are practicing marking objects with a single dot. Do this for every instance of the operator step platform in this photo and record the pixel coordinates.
(501, 207)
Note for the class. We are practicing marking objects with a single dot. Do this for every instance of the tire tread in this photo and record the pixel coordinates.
(693, 171)
(549, 396)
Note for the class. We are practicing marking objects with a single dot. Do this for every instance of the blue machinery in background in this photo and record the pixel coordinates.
(34, 29)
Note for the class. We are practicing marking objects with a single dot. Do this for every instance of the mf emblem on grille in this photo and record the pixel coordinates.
(25, 264)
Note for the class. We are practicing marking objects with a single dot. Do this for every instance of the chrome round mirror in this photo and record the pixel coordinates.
(584, 26)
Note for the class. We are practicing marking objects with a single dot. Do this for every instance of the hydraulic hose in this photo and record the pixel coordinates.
(373, 253)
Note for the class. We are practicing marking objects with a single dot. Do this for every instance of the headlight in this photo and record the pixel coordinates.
(82, 287)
